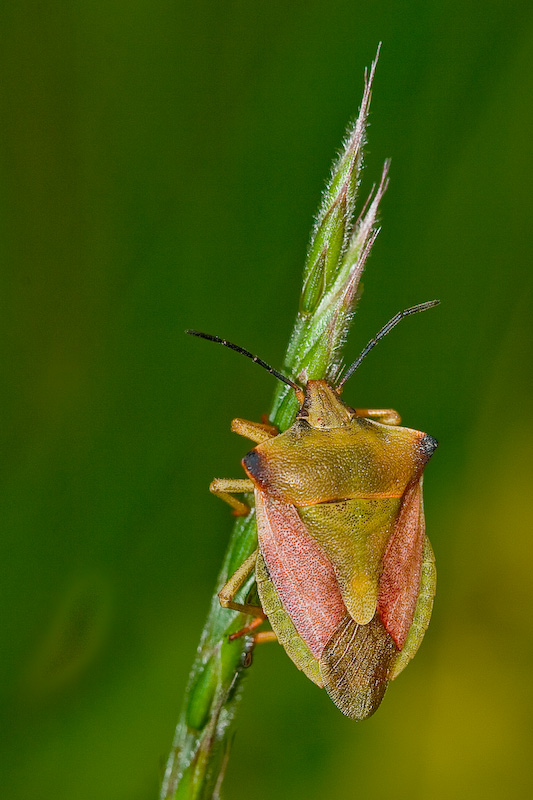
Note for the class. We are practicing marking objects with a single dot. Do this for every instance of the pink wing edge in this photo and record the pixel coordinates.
(302, 574)
(399, 584)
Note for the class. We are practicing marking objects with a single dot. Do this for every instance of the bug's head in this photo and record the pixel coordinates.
(322, 407)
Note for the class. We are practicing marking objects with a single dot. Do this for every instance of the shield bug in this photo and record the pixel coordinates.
(345, 573)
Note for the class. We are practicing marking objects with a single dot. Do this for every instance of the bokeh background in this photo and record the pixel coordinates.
(160, 166)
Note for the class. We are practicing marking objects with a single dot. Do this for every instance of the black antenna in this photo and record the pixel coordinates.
(383, 332)
(274, 372)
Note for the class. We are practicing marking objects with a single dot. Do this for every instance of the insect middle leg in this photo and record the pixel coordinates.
(228, 592)
(225, 487)
(230, 589)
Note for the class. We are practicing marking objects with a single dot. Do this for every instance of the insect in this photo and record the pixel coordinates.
(344, 571)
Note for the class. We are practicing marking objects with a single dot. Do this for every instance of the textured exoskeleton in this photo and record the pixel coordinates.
(344, 570)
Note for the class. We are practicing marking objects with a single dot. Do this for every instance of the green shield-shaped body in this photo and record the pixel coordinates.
(346, 575)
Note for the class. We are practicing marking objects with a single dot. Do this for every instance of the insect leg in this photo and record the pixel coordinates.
(255, 623)
(256, 431)
(230, 589)
(387, 416)
(224, 488)
(265, 636)
(259, 638)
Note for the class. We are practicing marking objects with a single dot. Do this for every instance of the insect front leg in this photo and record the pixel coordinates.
(256, 431)
(224, 488)
(387, 416)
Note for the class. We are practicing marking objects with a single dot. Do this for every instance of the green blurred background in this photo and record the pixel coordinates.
(160, 167)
